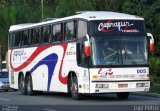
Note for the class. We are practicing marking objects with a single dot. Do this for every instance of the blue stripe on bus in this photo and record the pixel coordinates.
(50, 61)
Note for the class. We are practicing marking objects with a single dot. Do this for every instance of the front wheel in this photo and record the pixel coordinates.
(123, 95)
(74, 88)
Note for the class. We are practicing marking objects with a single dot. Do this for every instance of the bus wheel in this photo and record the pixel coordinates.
(74, 88)
(29, 86)
(22, 85)
(123, 95)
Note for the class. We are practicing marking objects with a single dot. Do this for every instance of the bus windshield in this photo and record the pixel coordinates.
(119, 50)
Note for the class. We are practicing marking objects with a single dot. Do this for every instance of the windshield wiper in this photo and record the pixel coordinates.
(117, 56)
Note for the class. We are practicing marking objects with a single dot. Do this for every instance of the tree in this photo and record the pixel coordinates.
(70, 7)
(6, 18)
(107, 5)
(155, 22)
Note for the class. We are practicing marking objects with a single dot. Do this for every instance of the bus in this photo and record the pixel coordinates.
(88, 53)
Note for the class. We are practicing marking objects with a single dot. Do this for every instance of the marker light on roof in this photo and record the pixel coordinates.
(92, 17)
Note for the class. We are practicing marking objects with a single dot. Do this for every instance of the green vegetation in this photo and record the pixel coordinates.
(154, 70)
(155, 89)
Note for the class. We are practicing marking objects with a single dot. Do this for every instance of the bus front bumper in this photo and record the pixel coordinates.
(117, 86)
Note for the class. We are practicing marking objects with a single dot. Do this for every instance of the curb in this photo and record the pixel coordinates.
(146, 94)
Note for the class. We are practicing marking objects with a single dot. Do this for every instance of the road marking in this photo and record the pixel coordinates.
(4, 99)
(48, 109)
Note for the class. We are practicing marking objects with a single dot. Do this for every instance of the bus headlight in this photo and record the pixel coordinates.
(142, 84)
(102, 85)
(105, 85)
(99, 85)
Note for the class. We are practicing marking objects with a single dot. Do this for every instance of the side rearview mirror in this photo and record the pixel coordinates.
(87, 46)
(151, 42)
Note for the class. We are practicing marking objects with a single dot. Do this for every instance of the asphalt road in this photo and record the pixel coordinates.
(14, 101)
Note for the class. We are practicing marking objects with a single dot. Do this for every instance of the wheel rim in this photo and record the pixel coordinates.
(74, 88)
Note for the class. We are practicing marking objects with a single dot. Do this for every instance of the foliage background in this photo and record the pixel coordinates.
(29, 11)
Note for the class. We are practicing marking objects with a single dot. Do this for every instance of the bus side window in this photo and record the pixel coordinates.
(25, 38)
(35, 36)
(53, 33)
(70, 31)
(16, 40)
(11, 39)
(81, 59)
(82, 29)
(32, 37)
(57, 32)
(46, 33)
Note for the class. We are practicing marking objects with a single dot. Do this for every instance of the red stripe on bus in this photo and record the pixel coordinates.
(29, 60)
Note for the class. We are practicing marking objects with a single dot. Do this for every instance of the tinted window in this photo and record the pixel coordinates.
(25, 38)
(46, 33)
(35, 36)
(16, 39)
(82, 29)
(57, 32)
(11, 37)
(70, 31)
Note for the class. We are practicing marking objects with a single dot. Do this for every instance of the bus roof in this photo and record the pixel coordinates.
(88, 15)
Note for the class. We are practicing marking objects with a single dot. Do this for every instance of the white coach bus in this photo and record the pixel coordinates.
(91, 52)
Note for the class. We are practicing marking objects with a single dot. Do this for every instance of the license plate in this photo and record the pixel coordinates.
(122, 85)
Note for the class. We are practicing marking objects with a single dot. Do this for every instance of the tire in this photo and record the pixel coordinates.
(30, 91)
(74, 88)
(123, 95)
(22, 86)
